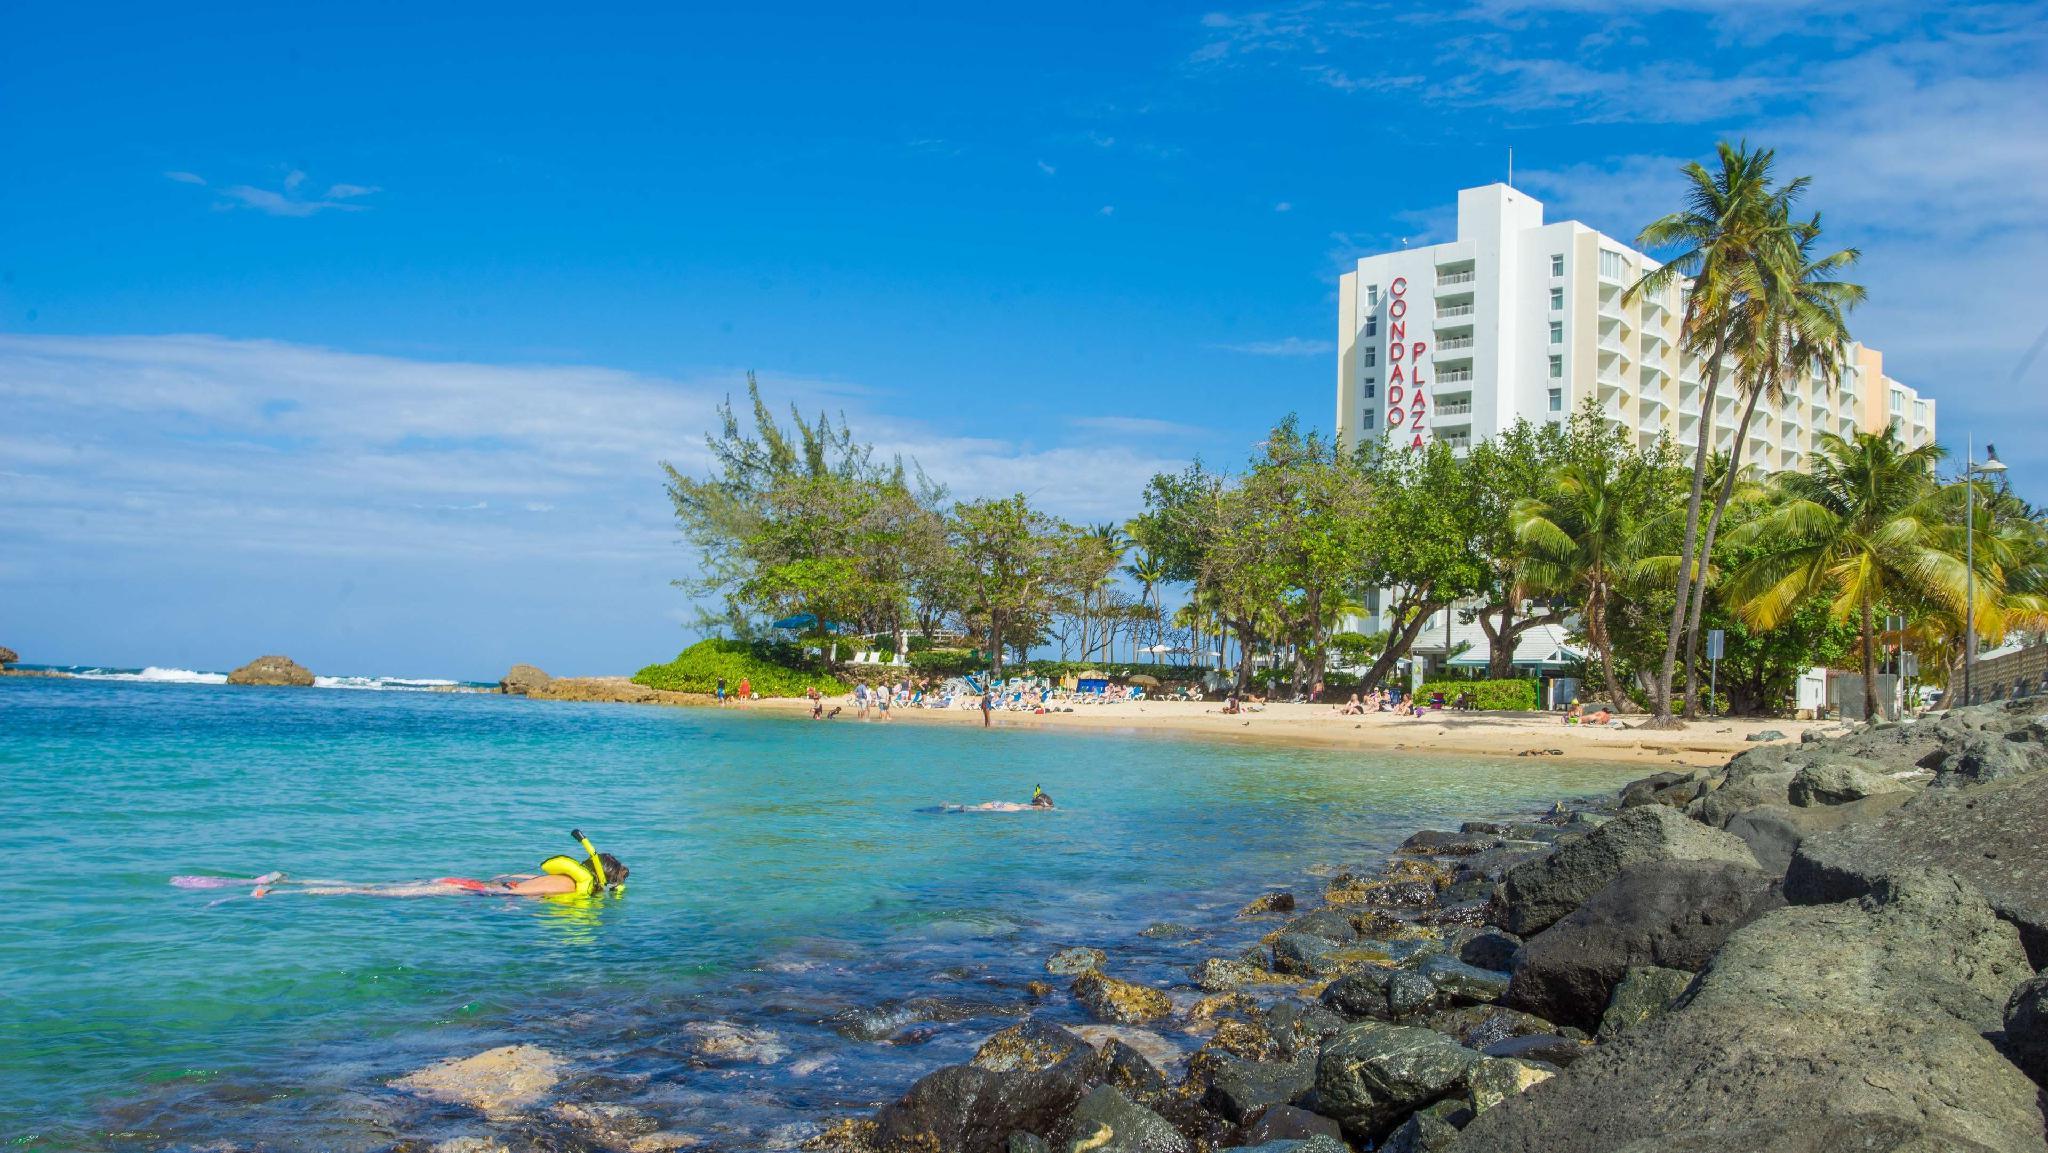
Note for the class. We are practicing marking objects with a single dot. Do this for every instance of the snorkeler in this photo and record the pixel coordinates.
(597, 874)
(1041, 801)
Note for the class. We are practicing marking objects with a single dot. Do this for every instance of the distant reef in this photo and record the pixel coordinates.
(529, 681)
(272, 670)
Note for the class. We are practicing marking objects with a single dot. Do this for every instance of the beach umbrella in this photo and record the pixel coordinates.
(1146, 679)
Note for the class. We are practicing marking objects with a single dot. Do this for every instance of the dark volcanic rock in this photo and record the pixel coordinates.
(975, 1110)
(1549, 1048)
(1289, 1123)
(1991, 834)
(1540, 893)
(1478, 1026)
(1305, 955)
(1812, 1025)
(1329, 924)
(1360, 993)
(1409, 993)
(1463, 984)
(1671, 914)
(1774, 832)
(1642, 993)
(1300, 1026)
(1837, 781)
(1106, 1121)
(1120, 1002)
(1281, 902)
(2026, 1028)
(1239, 1088)
(1488, 948)
(1436, 842)
(1371, 1075)
(1029, 1045)
(1075, 960)
(1222, 974)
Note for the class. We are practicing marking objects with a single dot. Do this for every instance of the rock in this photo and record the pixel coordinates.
(1120, 1002)
(1246, 1039)
(1222, 974)
(1990, 834)
(1813, 1026)
(1029, 1045)
(1122, 1066)
(1834, 781)
(1477, 1026)
(1436, 842)
(1360, 993)
(1674, 789)
(1320, 1143)
(1672, 914)
(1238, 1088)
(961, 1107)
(1426, 1131)
(1488, 948)
(1460, 983)
(1305, 955)
(1168, 931)
(1546, 1048)
(1022, 1142)
(890, 1019)
(1300, 1026)
(1108, 1122)
(8, 656)
(2026, 1028)
(1496, 1079)
(1773, 832)
(1373, 1074)
(1329, 924)
(1642, 993)
(1764, 735)
(1075, 960)
(523, 679)
(272, 671)
(725, 1041)
(1739, 795)
(1291, 1124)
(1280, 902)
(1409, 993)
(499, 1082)
(1154, 1048)
(1540, 893)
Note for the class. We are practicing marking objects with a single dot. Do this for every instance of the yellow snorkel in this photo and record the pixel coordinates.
(596, 863)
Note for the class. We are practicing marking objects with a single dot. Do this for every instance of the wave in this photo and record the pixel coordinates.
(152, 673)
(386, 684)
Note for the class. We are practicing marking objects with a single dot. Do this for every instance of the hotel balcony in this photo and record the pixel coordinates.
(1454, 408)
(1453, 281)
(1454, 376)
(1453, 312)
(1454, 344)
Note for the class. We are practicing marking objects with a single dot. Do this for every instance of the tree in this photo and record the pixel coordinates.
(1503, 470)
(1585, 533)
(1730, 218)
(1010, 556)
(1864, 526)
(1149, 572)
(1423, 542)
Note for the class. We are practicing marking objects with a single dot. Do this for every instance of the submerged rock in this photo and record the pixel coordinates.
(497, 1082)
(725, 1041)
(274, 671)
(1075, 960)
(1280, 902)
(1541, 893)
(1222, 974)
(1031, 1045)
(1120, 1002)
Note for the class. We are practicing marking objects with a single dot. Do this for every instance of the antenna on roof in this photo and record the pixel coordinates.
(1511, 166)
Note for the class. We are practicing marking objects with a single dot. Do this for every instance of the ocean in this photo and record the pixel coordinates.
(790, 887)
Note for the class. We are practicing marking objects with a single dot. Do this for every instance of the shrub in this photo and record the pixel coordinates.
(946, 662)
(774, 671)
(1510, 695)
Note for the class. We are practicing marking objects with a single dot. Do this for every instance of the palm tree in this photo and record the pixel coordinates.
(1150, 572)
(1791, 323)
(1106, 544)
(1730, 218)
(1868, 524)
(1584, 539)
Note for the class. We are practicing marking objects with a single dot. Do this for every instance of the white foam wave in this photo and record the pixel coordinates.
(154, 673)
(384, 684)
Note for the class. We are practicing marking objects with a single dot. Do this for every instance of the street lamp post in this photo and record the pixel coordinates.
(1971, 471)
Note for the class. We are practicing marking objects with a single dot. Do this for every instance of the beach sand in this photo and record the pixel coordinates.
(1708, 742)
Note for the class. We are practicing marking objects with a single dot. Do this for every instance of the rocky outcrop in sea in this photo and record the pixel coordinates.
(1823, 946)
(274, 671)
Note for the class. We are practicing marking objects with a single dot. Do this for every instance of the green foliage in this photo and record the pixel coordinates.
(1519, 694)
(946, 662)
(774, 670)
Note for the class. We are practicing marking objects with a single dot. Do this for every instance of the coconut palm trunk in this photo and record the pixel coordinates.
(1869, 665)
(1690, 555)
(1697, 611)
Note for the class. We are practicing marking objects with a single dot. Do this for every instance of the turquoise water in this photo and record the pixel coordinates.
(783, 877)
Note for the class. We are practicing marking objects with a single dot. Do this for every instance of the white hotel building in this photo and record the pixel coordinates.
(1521, 319)
(1518, 319)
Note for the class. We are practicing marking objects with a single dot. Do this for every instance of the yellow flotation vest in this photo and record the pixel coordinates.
(575, 870)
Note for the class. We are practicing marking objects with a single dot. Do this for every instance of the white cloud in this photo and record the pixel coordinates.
(1108, 210)
(1283, 206)
(1048, 169)
(1289, 346)
(285, 201)
(185, 177)
(1137, 426)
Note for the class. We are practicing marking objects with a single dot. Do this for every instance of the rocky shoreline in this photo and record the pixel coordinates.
(1821, 946)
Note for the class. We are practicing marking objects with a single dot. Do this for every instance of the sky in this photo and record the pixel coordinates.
(359, 332)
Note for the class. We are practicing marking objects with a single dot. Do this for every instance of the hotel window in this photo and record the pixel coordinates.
(1557, 368)
(1556, 299)
(1557, 264)
(1371, 389)
(1557, 400)
(1898, 402)
(1613, 265)
(1372, 326)
(1371, 356)
(1557, 332)
(1919, 412)
(1370, 418)
(1372, 295)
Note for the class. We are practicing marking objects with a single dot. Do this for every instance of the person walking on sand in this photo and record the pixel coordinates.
(721, 692)
(817, 702)
(746, 690)
(987, 702)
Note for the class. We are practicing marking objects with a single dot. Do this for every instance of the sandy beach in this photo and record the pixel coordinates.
(1709, 742)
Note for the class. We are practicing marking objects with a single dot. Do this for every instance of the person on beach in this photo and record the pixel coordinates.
(1576, 714)
(746, 689)
(817, 702)
(988, 702)
(721, 692)
(882, 704)
(860, 700)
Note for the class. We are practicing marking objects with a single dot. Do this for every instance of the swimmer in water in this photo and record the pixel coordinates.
(1040, 801)
(596, 875)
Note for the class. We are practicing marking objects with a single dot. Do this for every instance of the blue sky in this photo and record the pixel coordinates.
(357, 333)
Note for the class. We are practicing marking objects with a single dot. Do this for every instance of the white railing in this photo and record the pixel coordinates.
(1457, 376)
(1444, 278)
(1455, 310)
(1462, 408)
(1454, 344)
